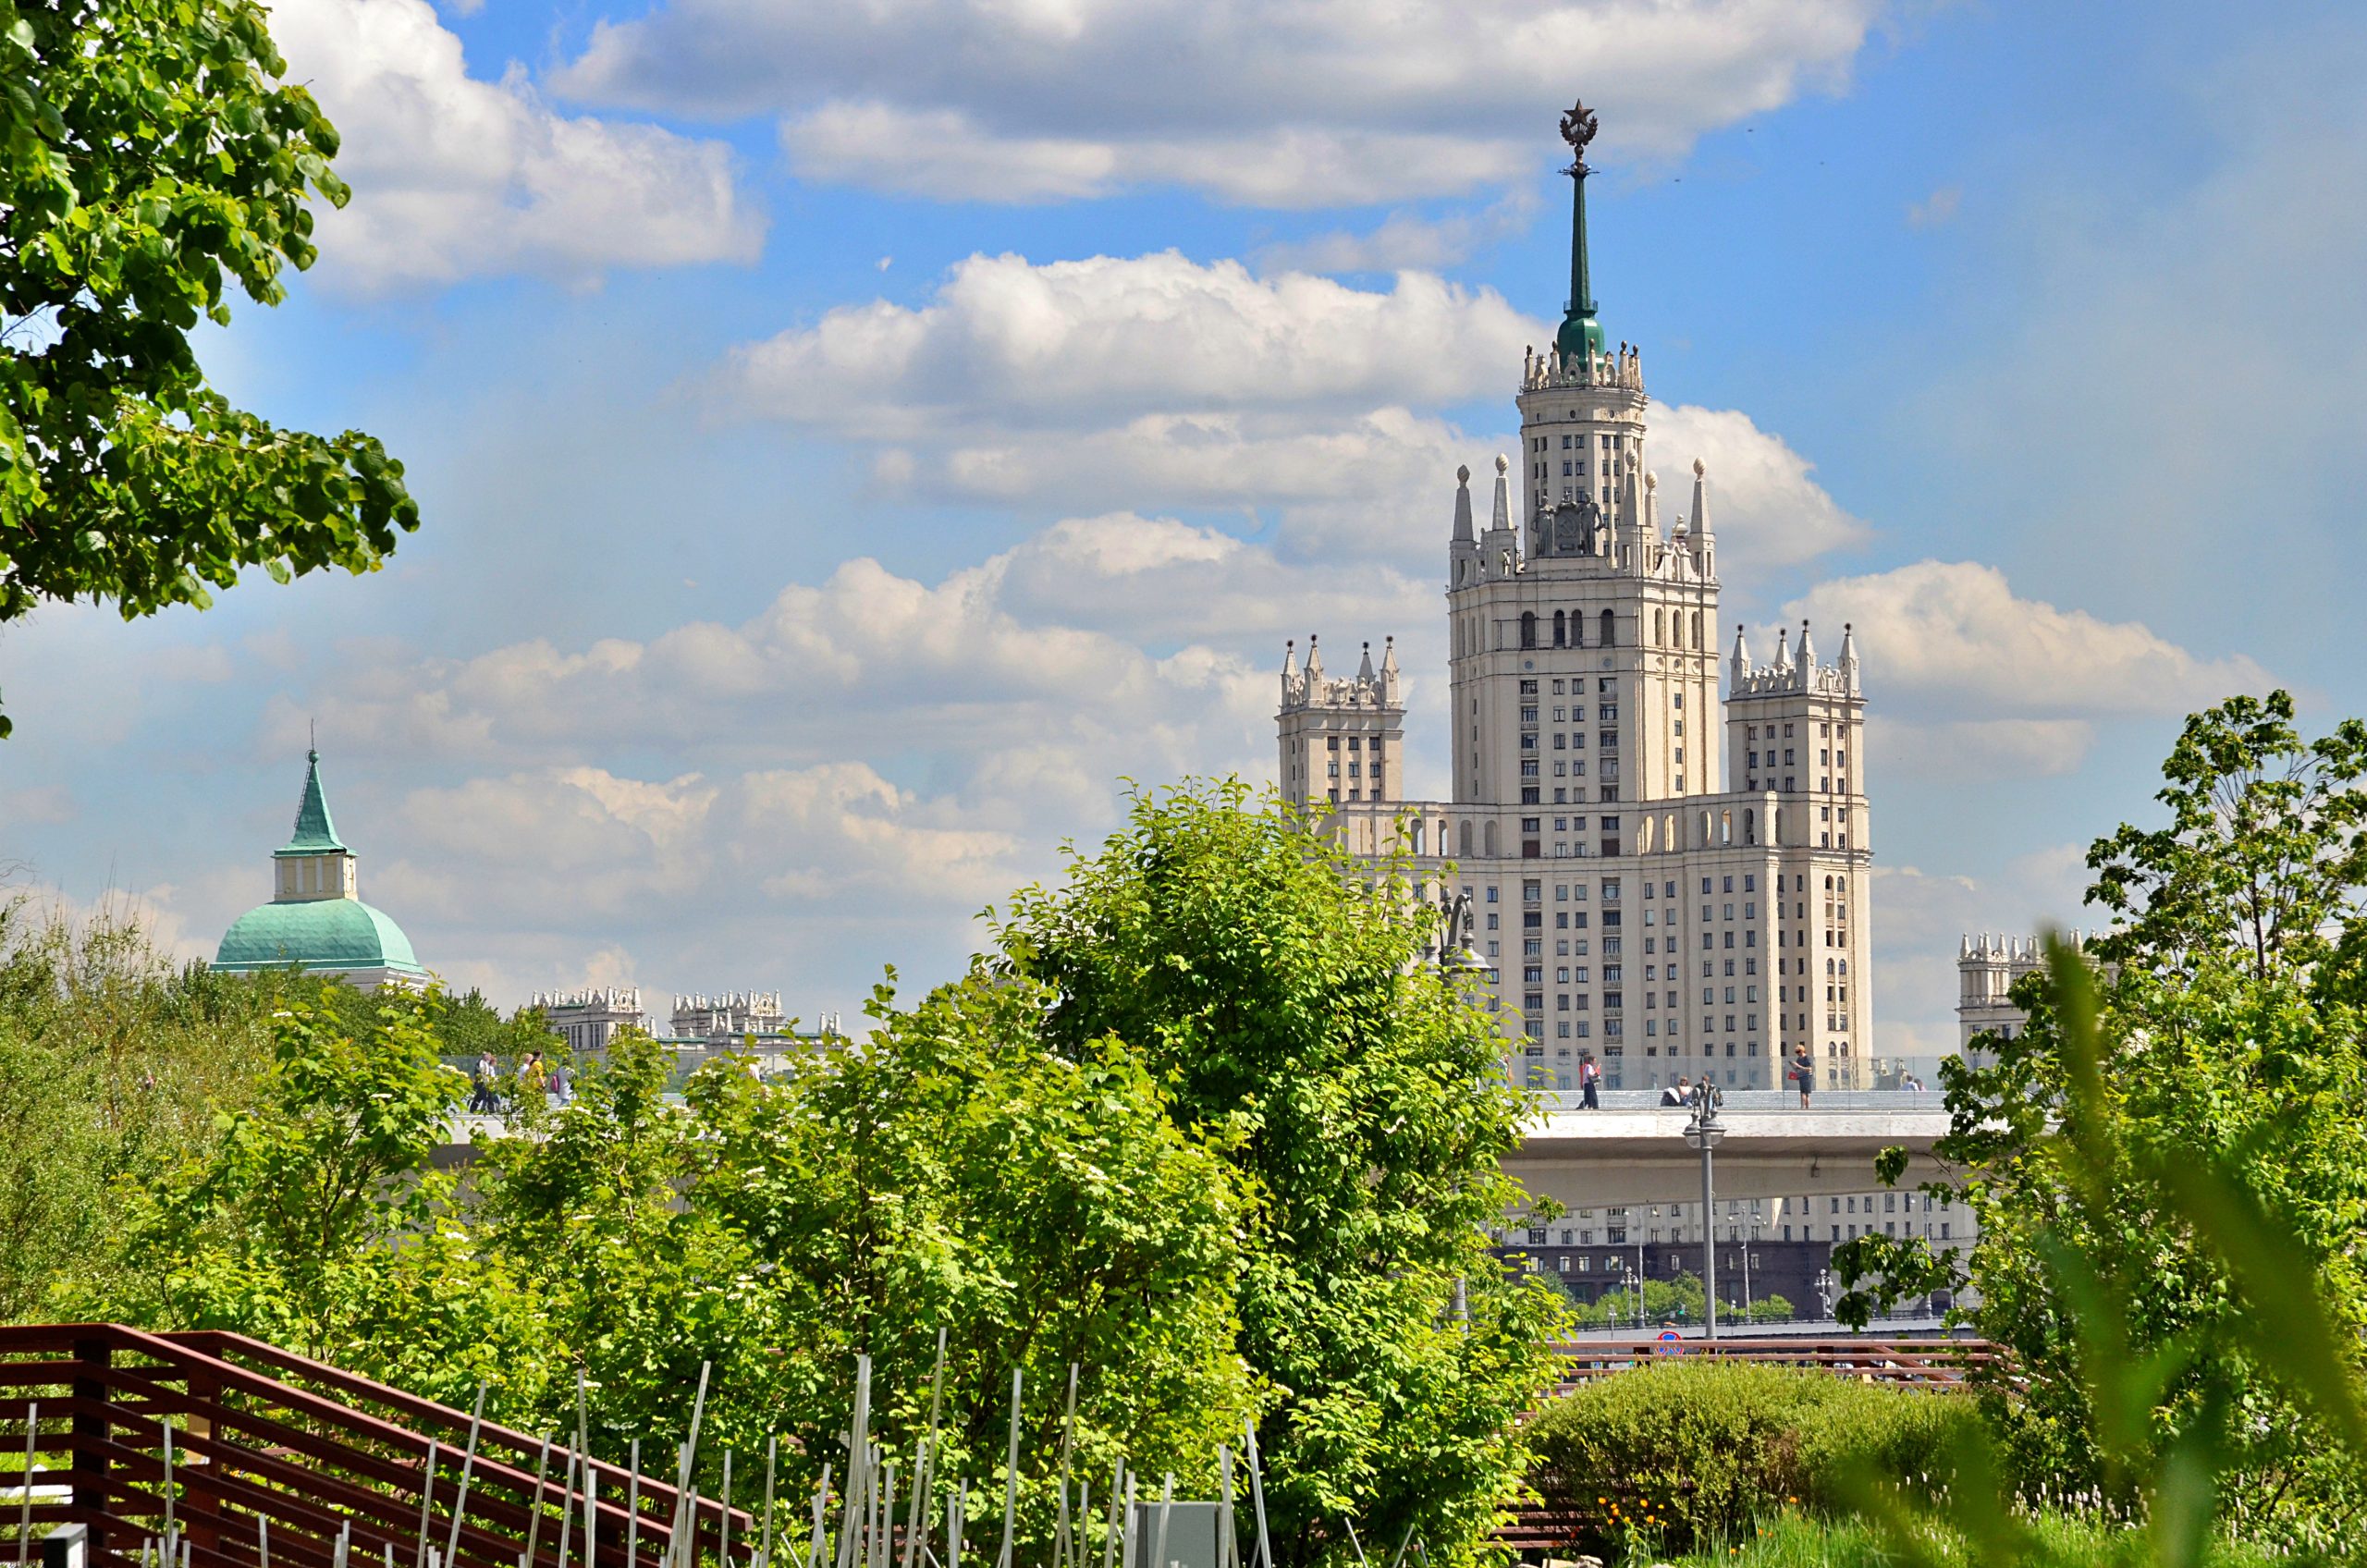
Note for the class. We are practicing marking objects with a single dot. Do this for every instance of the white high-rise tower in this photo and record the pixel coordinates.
(1669, 910)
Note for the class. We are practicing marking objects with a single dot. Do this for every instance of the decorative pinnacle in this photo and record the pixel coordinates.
(1580, 337)
(1697, 470)
(1579, 128)
(1463, 475)
(1504, 463)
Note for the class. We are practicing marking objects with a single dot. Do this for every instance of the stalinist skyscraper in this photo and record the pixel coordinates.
(1670, 878)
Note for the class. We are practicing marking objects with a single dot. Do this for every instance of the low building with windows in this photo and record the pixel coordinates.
(587, 1019)
(700, 1027)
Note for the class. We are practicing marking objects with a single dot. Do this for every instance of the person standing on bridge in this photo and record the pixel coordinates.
(1675, 1094)
(1590, 1083)
(1804, 1074)
(481, 1098)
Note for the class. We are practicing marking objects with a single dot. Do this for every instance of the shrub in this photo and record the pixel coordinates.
(1720, 1446)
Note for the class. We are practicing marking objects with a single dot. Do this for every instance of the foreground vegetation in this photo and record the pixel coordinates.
(1207, 1124)
(2169, 1162)
(1795, 1540)
(1203, 1125)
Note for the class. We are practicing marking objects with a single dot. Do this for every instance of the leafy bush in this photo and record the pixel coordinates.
(1719, 1447)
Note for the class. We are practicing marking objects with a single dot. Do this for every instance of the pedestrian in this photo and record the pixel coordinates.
(1589, 1081)
(1804, 1074)
(559, 1085)
(530, 1078)
(481, 1096)
(1675, 1094)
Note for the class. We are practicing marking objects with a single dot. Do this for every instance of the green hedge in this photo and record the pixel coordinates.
(1717, 1446)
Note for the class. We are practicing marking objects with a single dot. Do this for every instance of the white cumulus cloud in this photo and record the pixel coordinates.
(1269, 103)
(1955, 635)
(1115, 336)
(454, 176)
(1125, 384)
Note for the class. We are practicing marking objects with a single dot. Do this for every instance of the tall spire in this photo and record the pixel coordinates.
(1581, 335)
(1502, 516)
(1700, 498)
(1463, 503)
(314, 833)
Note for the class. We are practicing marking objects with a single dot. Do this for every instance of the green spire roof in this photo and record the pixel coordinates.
(315, 834)
(1580, 333)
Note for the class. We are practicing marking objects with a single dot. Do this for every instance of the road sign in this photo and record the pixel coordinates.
(1672, 1342)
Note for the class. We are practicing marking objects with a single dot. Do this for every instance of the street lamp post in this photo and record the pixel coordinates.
(1461, 965)
(1703, 1133)
(1748, 1242)
(1640, 1274)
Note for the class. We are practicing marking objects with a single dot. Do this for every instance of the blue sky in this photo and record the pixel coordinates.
(851, 438)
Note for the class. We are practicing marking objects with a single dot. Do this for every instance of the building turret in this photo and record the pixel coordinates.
(1705, 544)
(1631, 508)
(1738, 666)
(1804, 676)
(1463, 558)
(1849, 658)
(1338, 738)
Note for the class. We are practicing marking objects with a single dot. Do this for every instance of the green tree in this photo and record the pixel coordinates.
(113, 1061)
(1679, 1300)
(950, 1174)
(1045, 1210)
(1283, 991)
(2229, 1034)
(150, 158)
(286, 1227)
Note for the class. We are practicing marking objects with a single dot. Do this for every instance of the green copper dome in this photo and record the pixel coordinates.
(316, 922)
(328, 934)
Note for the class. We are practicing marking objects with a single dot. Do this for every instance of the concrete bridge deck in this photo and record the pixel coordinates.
(1634, 1152)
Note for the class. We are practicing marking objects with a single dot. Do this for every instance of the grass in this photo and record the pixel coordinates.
(1794, 1542)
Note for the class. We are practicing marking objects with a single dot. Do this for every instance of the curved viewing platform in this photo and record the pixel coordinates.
(1633, 1150)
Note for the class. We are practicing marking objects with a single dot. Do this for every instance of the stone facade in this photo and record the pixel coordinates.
(588, 1020)
(1670, 878)
(1988, 968)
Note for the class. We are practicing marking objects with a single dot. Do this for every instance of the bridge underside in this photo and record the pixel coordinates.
(1593, 1158)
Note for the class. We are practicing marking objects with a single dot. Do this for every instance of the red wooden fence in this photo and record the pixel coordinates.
(1919, 1363)
(261, 1433)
